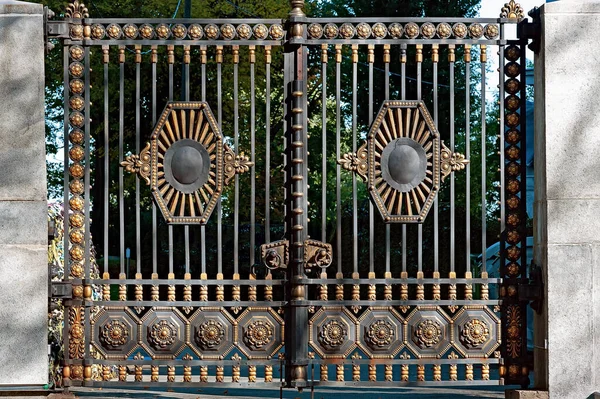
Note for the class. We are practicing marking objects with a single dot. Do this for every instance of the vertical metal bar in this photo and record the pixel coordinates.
(386, 61)
(236, 146)
(371, 60)
(354, 147)
(171, 61)
(483, 59)
(324, 61)
(436, 245)
(501, 134)
(467, 58)
(403, 96)
(338, 187)
(121, 189)
(203, 60)
(105, 60)
(186, 97)
(252, 50)
(419, 59)
(66, 235)
(220, 122)
(138, 246)
(268, 145)
(154, 59)
(451, 60)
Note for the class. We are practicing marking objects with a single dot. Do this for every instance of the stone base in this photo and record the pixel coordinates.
(526, 394)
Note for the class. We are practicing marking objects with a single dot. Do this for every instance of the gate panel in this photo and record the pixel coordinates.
(169, 180)
(349, 260)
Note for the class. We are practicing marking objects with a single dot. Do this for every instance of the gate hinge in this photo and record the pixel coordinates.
(53, 29)
(60, 290)
(531, 31)
(317, 254)
(534, 291)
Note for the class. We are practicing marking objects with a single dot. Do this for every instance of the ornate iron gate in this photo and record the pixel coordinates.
(376, 300)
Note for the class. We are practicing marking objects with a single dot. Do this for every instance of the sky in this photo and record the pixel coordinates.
(491, 9)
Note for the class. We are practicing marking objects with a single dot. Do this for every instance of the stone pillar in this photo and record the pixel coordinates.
(567, 199)
(23, 208)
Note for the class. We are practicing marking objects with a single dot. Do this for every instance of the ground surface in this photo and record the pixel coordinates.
(323, 393)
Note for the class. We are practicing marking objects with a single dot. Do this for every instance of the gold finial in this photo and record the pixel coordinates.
(297, 8)
(467, 54)
(512, 10)
(435, 57)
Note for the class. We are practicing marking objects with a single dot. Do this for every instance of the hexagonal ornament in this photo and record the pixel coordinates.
(115, 332)
(428, 332)
(477, 331)
(403, 161)
(381, 332)
(213, 332)
(186, 163)
(164, 332)
(332, 332)
(260, 332)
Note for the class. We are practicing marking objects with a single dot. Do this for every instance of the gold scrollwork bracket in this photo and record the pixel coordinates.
(451, 161)
(139, 164)
(512, 10)
(275, 255)
(235, 164)
(356, 162)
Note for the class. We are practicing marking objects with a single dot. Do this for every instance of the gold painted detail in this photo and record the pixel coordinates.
(258, 334)
(210, 334)
(428, 333)
(513, 331)
(451, 161)
(512, 10)
(380, 334)
(235, 164)
(333, 334)
(114, 334)
(162, 334)
(475, 333)
(139, 164)
(76, 335)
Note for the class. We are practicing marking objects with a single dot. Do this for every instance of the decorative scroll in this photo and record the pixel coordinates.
(186, 163)
(403, 161)
(139, 164)
(235, 164)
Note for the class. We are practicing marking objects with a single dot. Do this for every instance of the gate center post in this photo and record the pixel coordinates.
(297, 316)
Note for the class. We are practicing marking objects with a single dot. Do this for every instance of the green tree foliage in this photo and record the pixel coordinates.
(279, 9)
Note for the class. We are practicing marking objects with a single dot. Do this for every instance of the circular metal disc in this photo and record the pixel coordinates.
(403, 164)
(186, 165)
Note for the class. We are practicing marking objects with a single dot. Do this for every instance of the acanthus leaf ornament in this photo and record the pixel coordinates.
(139, 164)
(451, 161)
(403, 161)
(235, 164)
(512, 10)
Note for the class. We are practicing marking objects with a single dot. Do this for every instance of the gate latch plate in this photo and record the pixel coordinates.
(534, 291)
(61, 290)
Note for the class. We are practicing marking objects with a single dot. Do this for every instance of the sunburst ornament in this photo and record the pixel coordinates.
(403, 161)
(186, 163)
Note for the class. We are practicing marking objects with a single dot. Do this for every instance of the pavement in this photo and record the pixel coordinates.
(320, 393)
